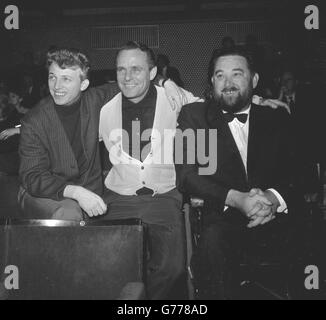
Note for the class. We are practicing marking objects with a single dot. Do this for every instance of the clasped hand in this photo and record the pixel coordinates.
(261, 207)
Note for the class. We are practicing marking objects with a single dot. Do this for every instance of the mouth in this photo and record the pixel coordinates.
(230, 92)
(59, 94)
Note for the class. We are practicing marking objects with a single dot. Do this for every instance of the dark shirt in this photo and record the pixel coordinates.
(71, 121)
(141, 116)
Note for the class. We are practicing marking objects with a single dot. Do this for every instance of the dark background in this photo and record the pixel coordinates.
(187, 31)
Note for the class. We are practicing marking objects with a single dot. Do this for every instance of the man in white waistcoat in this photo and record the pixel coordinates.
(138, 128)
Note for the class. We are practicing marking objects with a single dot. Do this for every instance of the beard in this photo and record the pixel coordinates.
(235, 102)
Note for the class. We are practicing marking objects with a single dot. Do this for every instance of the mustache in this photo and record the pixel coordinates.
(225, 90)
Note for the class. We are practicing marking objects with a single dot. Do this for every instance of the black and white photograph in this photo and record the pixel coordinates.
(169, 152)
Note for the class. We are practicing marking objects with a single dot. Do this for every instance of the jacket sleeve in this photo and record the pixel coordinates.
(189, 179)
(285, 180)
(35, 175)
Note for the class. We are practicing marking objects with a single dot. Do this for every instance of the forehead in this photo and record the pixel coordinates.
(132, 57)
(231, 62)
(71, 71)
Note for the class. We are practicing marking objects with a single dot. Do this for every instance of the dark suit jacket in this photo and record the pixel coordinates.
(269, 155)
(48, 163)
(307, 120)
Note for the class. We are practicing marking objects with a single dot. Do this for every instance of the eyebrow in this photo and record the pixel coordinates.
(63, 75)
(236, 69)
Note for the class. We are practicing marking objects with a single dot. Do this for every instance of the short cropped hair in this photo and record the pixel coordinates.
(69, 58)
(234, 51)
(131, 45)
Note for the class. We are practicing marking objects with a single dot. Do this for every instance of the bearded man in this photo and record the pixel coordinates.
(251, 190)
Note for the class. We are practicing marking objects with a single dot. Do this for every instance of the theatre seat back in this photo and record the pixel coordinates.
(63, 260)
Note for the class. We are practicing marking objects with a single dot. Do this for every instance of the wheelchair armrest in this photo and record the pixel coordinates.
(132, 291)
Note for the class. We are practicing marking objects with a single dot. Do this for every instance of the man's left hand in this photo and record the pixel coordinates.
(175, 95)
(258, 219)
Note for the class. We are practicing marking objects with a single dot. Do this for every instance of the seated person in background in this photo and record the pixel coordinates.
(9, 160)
(165, 70)
(19, 107)
(306, 109)
(60, 168)
(138, 127)
(251, 187)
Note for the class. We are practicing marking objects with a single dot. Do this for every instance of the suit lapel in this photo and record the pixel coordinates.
(227, 149)
(258, 140)
(86, 133)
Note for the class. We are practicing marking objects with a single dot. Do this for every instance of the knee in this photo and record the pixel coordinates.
(68, 210)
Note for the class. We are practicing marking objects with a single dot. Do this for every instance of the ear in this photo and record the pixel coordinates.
(153, 73)
(84, 85)
(255, 80)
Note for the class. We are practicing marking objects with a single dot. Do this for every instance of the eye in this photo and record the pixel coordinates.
(136, 70)
(120, 70)
(66, 79)
(238, 74)
(219, 76)
(51, 77)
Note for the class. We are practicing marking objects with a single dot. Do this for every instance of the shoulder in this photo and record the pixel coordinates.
(37, 113)
(194, 109)
(193, 115)
(277, 117)
(109, 106)
(103, 93)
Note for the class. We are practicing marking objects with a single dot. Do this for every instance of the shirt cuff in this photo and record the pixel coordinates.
(283, 206)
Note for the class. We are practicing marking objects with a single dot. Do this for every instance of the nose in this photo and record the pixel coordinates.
(128, 75)
(57, 84)
(228, 82)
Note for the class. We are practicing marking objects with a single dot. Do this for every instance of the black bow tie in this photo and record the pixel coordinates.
(242, 117)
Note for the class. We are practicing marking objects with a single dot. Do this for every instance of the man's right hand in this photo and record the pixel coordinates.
(248, 204)
(90, 202)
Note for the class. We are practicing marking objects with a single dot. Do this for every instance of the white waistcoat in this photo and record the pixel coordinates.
(128, 174)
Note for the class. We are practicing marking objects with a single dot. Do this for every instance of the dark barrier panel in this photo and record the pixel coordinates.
(66, 260)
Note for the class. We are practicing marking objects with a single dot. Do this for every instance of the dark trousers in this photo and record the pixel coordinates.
(224, 239)
(166, 241)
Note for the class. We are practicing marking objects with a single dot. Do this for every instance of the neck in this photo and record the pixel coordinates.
(71, 103)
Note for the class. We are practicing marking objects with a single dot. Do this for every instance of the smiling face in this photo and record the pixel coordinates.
(134, 74)
(66, 85)
(233, 83)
